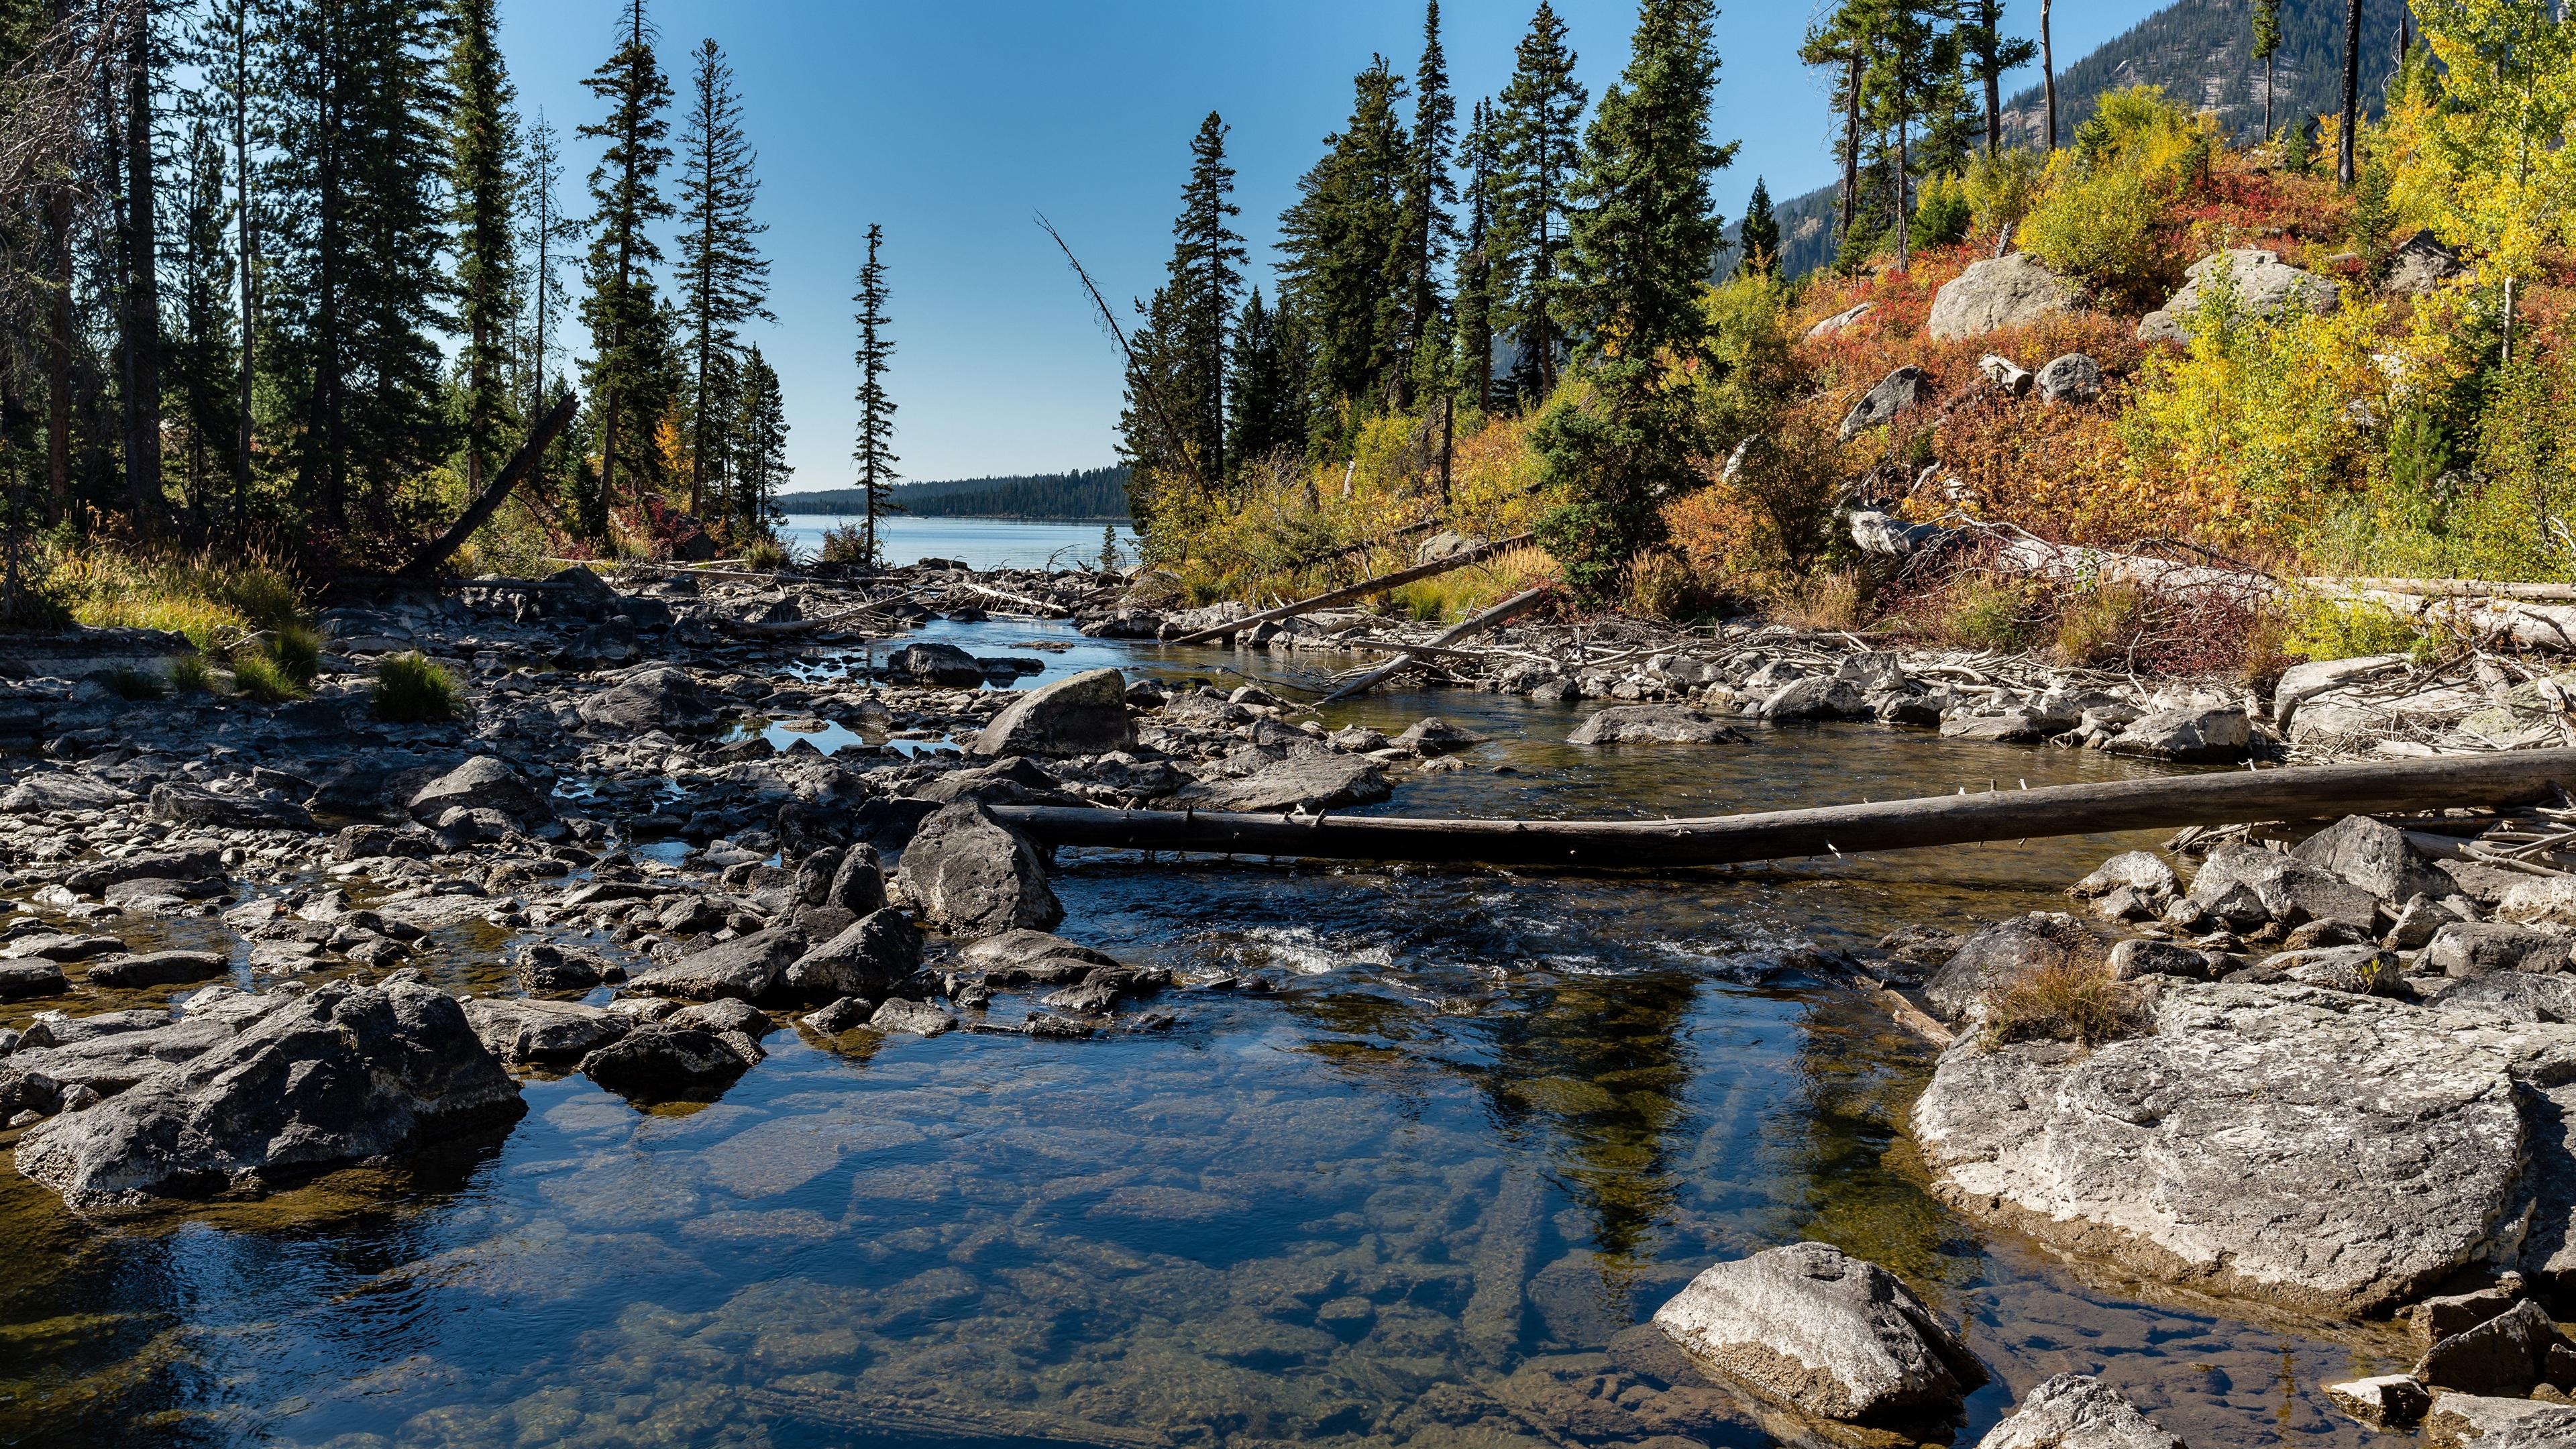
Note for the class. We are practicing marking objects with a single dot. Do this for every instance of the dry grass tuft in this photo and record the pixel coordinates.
(2077, 1001)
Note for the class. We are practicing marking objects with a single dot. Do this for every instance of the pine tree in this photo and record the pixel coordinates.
(1541, 108)
(544, 234)
(761, 468)
(130, 136)
(1427, 229)
(482, 191)
(1912, 73)
(202, 345)
(1990, 56)
(1480, 155)
(875, 452)
(1338, 241)
(2267, 48)
(1760, 234)
(1842, 42)
(1644, 234)
(226, 54)
(1206, 277)
(629, 371)
(1262, 415)
(723, 279)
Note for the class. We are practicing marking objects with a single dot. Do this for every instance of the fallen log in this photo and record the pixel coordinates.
(2450, 588)
(751, 629)
(1360, 590)
(512, 473)
(2161, 803)
(1040, 607)
(1473, 625)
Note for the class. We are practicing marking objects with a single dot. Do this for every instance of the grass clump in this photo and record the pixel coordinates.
(412, 690)
(257, 676)
(191, 674)
(2065, 1000)
(766, 554)
(213, 602)
(296, 651)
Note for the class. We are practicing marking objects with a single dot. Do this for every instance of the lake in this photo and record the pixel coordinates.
(984, 543)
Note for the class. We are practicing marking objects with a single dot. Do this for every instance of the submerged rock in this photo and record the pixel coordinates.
(2075, 1411)
(1829, 1333)
(344, 1073)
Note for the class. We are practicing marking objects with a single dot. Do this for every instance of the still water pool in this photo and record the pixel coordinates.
(1490, 1120)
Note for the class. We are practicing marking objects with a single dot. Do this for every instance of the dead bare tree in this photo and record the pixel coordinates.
(1150, 395)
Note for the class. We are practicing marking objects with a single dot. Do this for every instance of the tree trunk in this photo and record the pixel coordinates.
(58, 362)
(2048, 73)
(1851, 141)
(143, 300)
(1360, 590)
(1994, 112)
(2351, 91)
(249, 297)
(2267, 97)
(1904, 231)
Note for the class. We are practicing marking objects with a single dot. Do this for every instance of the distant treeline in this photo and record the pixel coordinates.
(1088, 495)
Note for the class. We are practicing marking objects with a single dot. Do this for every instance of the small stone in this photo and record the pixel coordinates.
(2390, 1401)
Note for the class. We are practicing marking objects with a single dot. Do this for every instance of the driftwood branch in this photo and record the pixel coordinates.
(1469, 628)
(2304, 792)
(515, 472)
(1360, 590)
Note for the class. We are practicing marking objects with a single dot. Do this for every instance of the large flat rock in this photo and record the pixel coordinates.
(2329, 1153)
(1309, 783)
(1828, 1333)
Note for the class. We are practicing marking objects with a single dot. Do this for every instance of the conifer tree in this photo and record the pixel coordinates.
(1841, 41)
(226, 54)
(629, 370)
(2267, 48)
(1541, 108)
(138, 259)
(875, 452)
(1990, 55)
(1760, 235)
(1261, 386)
(1480, 156)
(1912, 74)
(1339, 240)
(1206, 277)
(760, 462)
(482, 190)
(1644, 234)
(723, 279)
(201, 351)
(1427, 228)
(545, 234)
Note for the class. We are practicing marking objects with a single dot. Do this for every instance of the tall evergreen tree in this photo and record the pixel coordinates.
(2267, 48)
(201, 351)
(139, 312)
(1912, 74)
(545, 234)
(1841, 42)
(1759, 237)
(875, 452)
(1643, 237)
(1262, 416)
(1339, 239)
(1206, 277)
(227, 54)
(1541, 107)
(723, 279)
(1991, 55)
(1427, 229)
(482, 190)
(1480, 156)
(760, 454)
(2351, 93)
(629, 371)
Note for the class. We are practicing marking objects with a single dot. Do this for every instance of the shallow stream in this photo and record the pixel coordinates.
(1488, 1121)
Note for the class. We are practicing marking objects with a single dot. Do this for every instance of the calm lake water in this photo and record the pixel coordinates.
(1489, 1120)
(984, 543)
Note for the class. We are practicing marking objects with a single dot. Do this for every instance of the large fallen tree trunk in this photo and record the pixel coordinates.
(1469, 628)
(521, 464)
(2220, 798)
(1360, 590)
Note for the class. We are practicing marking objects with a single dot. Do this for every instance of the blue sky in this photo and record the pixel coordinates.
(954, 123)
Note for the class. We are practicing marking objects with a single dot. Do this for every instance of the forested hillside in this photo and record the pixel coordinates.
(1088, 495)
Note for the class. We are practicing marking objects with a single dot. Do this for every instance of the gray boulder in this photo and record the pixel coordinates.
(1433, 735)
(1021, 948)
(2375, 856)
(158, 968)
(2506, 1354)
(108, 1063)
(1083, 715)
(196, 805)
(60, 790)
(2509, 995)
(22, 979)
(2008, 727)
(1999, 292)
(198, 862)
(2195, 736)
(2386, 1401)
(2138, 957)
(2264, 285)
(858, 882)
(655, 699)
(943, 664)
(2139, 870)
(1206, 710)
(2332, 1154)
(523, 1032)
(344, 1073)
(745, 968)
(2075, 1411)
(2288, 889)
(2003, 951)
(1907, 387)
(1641, 724)
(900, 1015)
(2419, 264)
(660, 1062)
(2365, 970)
(484, 782)
(2073, 378)
(1446, 543)
(1828, 1333)
(1306, 784)
(2457, 1421)
(2476, 949)
(1817, 697)
(876, 954)
(971, 875)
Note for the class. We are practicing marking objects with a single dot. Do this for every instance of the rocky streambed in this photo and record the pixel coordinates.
(677, 1048)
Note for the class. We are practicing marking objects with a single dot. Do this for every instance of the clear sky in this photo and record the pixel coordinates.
(953, 122)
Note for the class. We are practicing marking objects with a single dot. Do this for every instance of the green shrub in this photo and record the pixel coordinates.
(1942, 212)
(2335, 629)
(296, 651)
(766, 554)
(2104, 226)
(2001, 186)
(412, 690)
(259, 677)
(191, 674)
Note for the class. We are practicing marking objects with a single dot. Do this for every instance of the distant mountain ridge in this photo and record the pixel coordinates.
(2200, 52)
(1089, 495)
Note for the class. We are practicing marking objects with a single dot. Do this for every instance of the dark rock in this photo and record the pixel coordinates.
(157, 968)
(1906, 387)
(344, 1073)
(1304, 784)
(2438, 1318)
(62, 948)
(1820, 696)
(873, 956)
(484, 782)
(724, 1015)
(2004, 951)
(2475, 949)
(2134, 958)
(1437, 736)
(1828, 1333)
(547, 967)
(2196, 736)
(1020, 948)
(891, 822)
(2388, 1401)
(195, 805)
(971, 875)
(943, 664)
(2375, 856)
(1637, 724)
(900, 1015)
(2505, 1355)
(1085, 714)
(522, 1032)
(663, 699)
(658, 1062)
(2290, 890)
(22, 979)
(746, 968)
(60, 790)
(858, 882)
(2073, 378)
(193, 863)
(53, 1031)
(840, 1016)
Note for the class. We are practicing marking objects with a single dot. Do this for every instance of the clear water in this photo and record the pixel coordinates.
(1490, 1120)
(984, 543)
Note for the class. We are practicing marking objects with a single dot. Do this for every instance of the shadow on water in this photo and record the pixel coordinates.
(1490, 1120)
